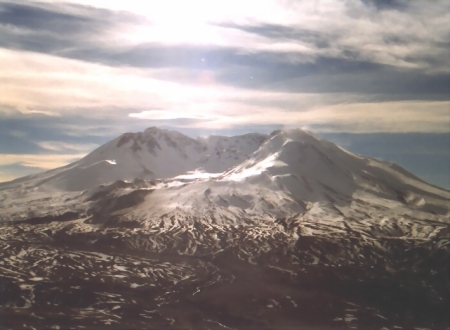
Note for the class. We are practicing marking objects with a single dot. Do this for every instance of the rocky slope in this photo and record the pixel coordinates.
(294, 233)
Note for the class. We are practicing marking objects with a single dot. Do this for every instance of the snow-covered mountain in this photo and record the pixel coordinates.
(308, 168)
(253, 231)
(152, 154)
(278, 174)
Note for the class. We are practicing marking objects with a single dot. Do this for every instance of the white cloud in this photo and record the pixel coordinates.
(34, 82)
(66, 147)
(348, 26)
(400, 117)
(168, 115)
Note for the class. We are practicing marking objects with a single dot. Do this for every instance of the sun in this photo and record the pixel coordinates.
(176, 22)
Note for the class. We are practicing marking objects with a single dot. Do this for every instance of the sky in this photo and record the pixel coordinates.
(371, 76)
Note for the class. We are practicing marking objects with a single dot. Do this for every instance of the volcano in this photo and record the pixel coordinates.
(282, 231)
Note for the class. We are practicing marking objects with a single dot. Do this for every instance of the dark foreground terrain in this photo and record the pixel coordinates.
(56, 275)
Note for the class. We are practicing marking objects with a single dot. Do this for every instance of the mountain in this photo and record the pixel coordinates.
(158, 230)
(152, 154)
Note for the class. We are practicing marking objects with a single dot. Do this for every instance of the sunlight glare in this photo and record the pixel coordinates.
(176, 22)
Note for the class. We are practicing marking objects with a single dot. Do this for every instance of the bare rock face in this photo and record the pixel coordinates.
(137, 141)
(299, 234)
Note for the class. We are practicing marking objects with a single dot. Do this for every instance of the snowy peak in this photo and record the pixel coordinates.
(293, 150)
(297, 134)
(301, 164)
(152, 154)
(154, 139)
(172, 139)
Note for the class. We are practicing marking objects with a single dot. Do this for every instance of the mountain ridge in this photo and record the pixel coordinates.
(152, 154)
(287, 168)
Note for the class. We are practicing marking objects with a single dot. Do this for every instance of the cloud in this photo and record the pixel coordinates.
(86, 97)
(386, 4)
(356, 117)
(328, 75)
(389, 117)
(293, 32)
(47, 161)
(41, 82)
(394, 38)
(47, 18)
(66, 147)
(300, 47)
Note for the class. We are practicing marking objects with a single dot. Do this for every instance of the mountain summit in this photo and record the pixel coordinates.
(152, 154)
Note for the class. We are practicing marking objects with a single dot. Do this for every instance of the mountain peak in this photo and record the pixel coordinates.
(156, 130)
(153, 129)
(296, 134)
(154, 153)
